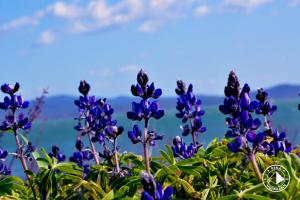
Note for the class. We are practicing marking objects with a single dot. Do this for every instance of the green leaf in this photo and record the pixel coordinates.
(69, 168)
(189, 189)
(122, 192)
(46, 156)
(295, 160)
(229, 197)
(255, 197)
(43, 162)
(23, 138)
(109, 196)
(205, 193)
(170, 153)
(166, 156)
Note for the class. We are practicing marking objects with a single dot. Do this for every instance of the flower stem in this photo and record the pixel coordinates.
(255, 166)
(20, 153)
(93, 149)
(193, 134)
(266, 123)
(146, 155)
(116, 157)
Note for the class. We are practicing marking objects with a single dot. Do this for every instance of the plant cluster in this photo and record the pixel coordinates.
(225, 169)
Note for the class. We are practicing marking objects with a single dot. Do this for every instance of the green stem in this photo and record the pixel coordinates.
(20, 153)
(255, 166)
(116, 157)
(93, 149)
(145, 145)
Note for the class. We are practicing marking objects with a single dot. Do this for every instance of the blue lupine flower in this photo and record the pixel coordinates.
(241, 124)
(180, 149)
(82, 157)
(235, 145)
(9, 89)
(143, 90)
(4, 170)
(14, 121)
(84, 88)
(278, 142)
(3, 154)
(265, 107)
(56, 154)
(29, 149)
(153, 191)
(145, 110)
(135, 135)
(189, 110)
(21, 122)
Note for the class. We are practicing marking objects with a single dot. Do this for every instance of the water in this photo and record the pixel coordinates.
(61, 132)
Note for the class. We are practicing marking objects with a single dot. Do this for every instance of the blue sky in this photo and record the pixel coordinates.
(56, 44)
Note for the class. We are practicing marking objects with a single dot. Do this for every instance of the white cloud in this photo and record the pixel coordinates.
(46, 38)
(150, 26)
(202, 10)
(61, 9)
(162, 4)
(245, 4)
(129, 69)
(19, 22)
(146, 15)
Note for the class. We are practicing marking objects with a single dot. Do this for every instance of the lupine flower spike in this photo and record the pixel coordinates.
(16, 121)
(275, 141)
(85, 104)
(241, 124)
(144, 110)
(190, 111)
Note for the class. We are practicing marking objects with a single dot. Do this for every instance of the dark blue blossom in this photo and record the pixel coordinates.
(145, 110)
(143, 90)
(4, 170)
(265, 107)
(276, 142)
(82, 157)
(15, 121)
(153, 191)
(56, 154)
(95, 120)
(180, 149)
(235, 145)
(189, 111)
(241, 124)
(3, 154)
(135, 135)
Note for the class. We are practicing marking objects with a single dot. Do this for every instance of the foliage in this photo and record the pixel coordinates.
(216, 171)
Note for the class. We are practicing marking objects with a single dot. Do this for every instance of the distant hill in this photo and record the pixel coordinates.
(62, 106)
(284, 92)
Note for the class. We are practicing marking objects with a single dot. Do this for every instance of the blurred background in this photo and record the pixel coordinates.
(54, 44)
